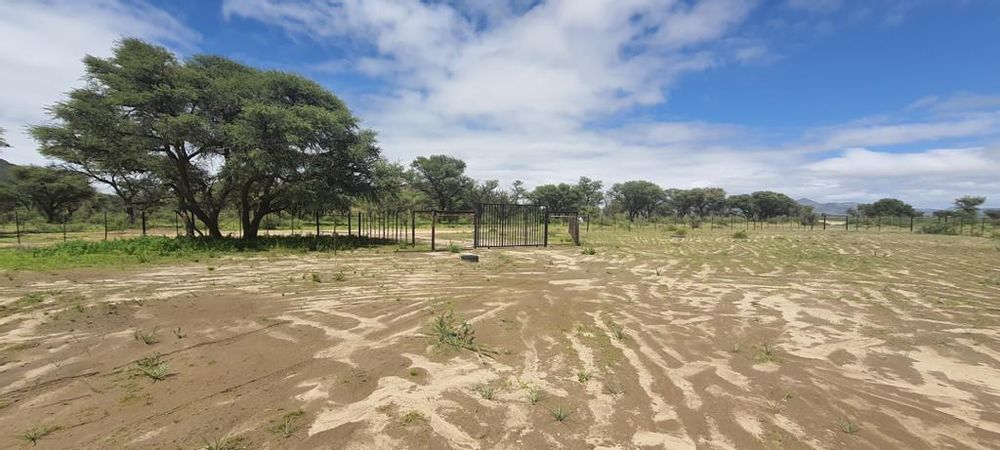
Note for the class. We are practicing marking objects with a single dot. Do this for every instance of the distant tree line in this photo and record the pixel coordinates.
(208, 135)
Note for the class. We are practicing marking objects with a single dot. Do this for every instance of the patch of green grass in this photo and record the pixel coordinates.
(159, 249)
(848, 426)
(316, 278)
(534, 394)
(288, 424)
(146, 337)
(618, 331)
(180, 334)
(451, 331)
(153, 367)
(588, 251)
(454, 248)
(767, 353)
(614, 389)
(34, 434)
(225, 443)
(740, 235)
(583, 375)
(414, 417)
(488, 391)
(560, 413)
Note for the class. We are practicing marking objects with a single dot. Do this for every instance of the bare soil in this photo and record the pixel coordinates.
(777, 341)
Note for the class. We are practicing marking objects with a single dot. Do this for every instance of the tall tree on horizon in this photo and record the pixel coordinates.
(443, 179)
(215, 132)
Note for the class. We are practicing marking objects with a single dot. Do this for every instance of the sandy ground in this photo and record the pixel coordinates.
(778, 341)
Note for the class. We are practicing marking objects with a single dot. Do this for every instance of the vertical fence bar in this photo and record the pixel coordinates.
(17, 227)
(413, 227)
(545, 232)
(433, 229)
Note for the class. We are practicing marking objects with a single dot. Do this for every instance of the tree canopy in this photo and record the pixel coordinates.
(56, 193)
(212, 131)
(636, 198)
(968, 206)
(887, 207)
(442, 178)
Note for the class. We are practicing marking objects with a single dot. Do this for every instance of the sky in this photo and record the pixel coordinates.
(834, 100)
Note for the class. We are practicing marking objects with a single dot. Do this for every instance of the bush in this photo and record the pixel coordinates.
(938, 228)
(589, 251)
(740, 235)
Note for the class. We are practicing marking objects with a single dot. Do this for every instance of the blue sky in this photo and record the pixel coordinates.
(835, 100)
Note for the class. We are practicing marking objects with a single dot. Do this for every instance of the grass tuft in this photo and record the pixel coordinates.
(288, 424)
(488, 391)
(451, 331)
(414, 417)
(560, 413)
(146, 337)
(225, 444)
(848, 426)
(153, 367)
(34, 434)
(767, 353)
(583, 375)
(534, 394)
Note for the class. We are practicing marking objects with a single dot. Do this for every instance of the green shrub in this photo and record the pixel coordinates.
(740, 235)
(938, 228)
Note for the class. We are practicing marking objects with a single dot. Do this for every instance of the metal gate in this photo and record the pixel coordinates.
(512, 225)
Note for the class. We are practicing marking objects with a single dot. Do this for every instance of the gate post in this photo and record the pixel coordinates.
(475, 226)
(413, 228)
(433, 225)
(545, 238)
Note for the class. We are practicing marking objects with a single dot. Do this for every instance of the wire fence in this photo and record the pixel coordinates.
(820, 223)
(447, 230)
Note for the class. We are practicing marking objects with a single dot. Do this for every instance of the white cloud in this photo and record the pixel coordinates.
(970, 125)
(958, 163)
(557, 64)
(43, 42)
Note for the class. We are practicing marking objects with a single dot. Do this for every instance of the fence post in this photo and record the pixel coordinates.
(545, 239)
(413, 228)
(911, 224)
(433, 229)
(349, 225)
(317, 223)
(359, 224)
(847, 222)
(475, 226)
(17, 227)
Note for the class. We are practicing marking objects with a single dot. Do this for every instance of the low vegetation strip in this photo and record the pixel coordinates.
(164, 249)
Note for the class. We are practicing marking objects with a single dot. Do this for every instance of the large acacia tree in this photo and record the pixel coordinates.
(56, 193)
(216, 133)
(636, 198)
(442, 178)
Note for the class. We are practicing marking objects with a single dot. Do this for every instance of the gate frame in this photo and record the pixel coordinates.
(546, 216)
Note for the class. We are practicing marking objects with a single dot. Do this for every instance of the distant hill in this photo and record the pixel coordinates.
(828, 208)
(5, 168)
